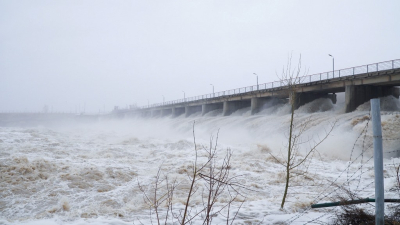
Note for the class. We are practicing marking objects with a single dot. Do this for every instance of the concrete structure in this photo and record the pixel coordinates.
(257, 104)
(306, 97)
(190, 109)
(177, 111)
(231, 106)
(359, 84)
(166, 112)
(358, 94)
(206, 108)
(155, 113)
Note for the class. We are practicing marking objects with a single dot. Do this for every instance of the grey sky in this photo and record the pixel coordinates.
(66, 54)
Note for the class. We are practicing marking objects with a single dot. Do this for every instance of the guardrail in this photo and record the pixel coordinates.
(375, 67)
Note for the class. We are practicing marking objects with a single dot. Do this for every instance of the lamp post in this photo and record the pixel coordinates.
(213, 88)
(257, 80)
(148, 103)
(163, 99)
(333, 63)
(184, 97)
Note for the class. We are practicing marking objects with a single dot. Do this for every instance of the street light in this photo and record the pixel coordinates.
(148, 103)
(184, 97)
(257, 80)
(333, 60)
(213, 88)
(163, 99)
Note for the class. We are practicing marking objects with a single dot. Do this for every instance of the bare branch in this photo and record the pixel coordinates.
(316, 145)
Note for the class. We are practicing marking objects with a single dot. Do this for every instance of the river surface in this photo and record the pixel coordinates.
(100, 172)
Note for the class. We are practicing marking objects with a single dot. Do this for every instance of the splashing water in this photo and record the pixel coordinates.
(89, 173)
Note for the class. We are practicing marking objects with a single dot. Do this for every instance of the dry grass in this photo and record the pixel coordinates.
(359, 120)
(355, 215)
(358, 214)
(300, 206)
(263, 148)
(272, 159)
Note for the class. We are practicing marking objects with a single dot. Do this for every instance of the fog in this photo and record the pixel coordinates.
(86, 57)
(75, 56)
(77, 170)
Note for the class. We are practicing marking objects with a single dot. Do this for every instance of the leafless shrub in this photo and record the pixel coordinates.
(160, 198)
(354, 215)
(211, 180)
(350, 213)
(291, 159)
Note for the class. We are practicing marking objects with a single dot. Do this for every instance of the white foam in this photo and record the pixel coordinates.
(89, 173)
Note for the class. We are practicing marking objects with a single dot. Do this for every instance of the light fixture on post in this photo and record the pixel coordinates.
(333, 63)
(257, 80)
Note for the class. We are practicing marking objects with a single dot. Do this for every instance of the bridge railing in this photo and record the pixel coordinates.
(375, 67)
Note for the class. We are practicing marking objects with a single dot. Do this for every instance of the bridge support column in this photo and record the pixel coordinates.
(189, 110)
(231, 106)
(146, 113)
(155, 113)
(356, 95)
(304, 98)
(257, 103)
(166, 112)
(177, 111)
(205, 108)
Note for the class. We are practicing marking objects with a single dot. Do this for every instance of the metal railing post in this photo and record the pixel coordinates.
(378, 161)
(300, 80)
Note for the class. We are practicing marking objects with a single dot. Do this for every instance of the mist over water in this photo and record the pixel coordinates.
(78, 173)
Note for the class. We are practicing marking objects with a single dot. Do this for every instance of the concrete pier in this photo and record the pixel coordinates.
(231, 106)
(146, 113)
(189, 110)
(359, 84)
(356, 95)
(155, 113)
(304, 98)
(177, 111)
(259, 103)
(205, 108)
(166, 112)
(256, 104)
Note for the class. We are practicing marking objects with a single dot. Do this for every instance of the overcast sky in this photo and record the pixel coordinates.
(100, 54)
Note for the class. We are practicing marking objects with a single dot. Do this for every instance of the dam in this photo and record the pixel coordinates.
(360, 84)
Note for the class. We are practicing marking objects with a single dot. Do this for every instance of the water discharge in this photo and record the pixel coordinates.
(89, 173)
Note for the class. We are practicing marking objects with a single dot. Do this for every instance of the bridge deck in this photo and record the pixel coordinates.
(378, 74)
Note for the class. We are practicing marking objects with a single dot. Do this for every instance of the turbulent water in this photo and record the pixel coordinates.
(91, 173)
